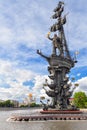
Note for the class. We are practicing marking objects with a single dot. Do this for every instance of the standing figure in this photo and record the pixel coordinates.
(56, 44)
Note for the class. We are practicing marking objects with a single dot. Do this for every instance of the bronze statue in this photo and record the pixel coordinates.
(56, 41)
(59, 64)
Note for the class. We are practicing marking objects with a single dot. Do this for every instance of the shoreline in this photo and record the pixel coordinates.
(12, 109)
(26, 108)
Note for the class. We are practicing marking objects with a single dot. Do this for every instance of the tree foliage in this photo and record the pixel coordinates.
(80, 99)
(6, 103)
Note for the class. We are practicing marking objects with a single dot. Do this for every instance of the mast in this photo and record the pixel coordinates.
(58, 26)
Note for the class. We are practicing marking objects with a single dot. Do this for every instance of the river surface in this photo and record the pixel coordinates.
(37, 125)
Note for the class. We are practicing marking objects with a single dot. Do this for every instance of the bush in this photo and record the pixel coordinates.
(80, 99)
(33, 105)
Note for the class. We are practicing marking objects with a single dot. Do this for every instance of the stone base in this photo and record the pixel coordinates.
(61, 112)
(50, 115)
(46, 117)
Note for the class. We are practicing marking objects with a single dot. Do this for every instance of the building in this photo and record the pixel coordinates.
(29, 100)
(15, 102)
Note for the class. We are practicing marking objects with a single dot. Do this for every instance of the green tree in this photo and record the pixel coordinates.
(33, 105)
(85, 104)
(80, 99)
(8, 103)
(2, 104)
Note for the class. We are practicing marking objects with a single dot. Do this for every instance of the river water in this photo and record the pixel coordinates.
(37, 125)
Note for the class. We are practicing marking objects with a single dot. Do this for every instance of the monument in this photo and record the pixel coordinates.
(60, 63)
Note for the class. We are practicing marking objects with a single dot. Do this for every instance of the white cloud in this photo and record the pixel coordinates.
(15, 77)
(82, 85)
(27, 22)
(6, 35)
(78, 74)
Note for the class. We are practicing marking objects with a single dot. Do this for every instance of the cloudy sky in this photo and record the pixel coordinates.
(23, 28)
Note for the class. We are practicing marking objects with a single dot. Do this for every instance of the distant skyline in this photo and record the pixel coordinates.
(24, 25)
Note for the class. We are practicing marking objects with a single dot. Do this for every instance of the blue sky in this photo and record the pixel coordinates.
(23, 28)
